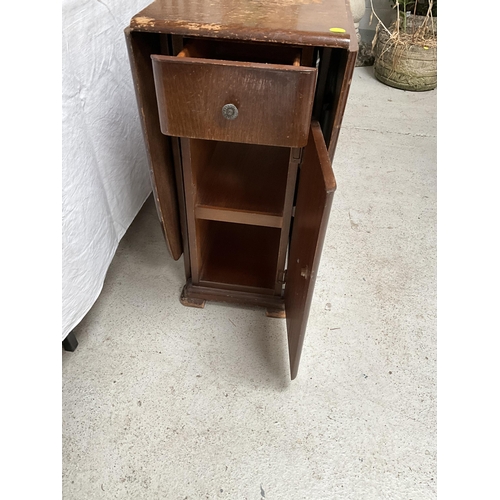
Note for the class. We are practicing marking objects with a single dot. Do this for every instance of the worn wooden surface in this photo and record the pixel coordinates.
(191, 301)
(274, 102)
(300, 22)
(314, 199)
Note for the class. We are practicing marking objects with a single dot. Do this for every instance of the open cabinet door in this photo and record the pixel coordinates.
(314, 200)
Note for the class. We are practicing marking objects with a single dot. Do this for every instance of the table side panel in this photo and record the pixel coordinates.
(158, 146)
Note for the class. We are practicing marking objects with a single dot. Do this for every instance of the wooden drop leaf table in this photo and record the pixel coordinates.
(241, 103)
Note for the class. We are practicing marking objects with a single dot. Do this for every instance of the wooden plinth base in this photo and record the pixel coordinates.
(276, 313)
(196, 296)
(191, 301)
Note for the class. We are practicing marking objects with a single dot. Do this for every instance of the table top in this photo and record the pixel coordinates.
(324, 23)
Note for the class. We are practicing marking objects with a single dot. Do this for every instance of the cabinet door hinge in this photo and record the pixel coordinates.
(297, 155)
(282, 277)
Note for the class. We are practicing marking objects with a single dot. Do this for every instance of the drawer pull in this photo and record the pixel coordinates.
(229, 111)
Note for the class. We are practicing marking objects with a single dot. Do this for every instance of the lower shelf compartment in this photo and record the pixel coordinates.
(238, 254)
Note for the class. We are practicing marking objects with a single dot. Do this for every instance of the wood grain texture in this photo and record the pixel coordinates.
(274, 101)
(314, 199)
(300, 22)
(158, 147)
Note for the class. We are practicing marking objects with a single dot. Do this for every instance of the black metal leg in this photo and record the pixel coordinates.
(70, 343)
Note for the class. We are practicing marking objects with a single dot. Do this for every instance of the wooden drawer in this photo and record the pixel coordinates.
(271, 104)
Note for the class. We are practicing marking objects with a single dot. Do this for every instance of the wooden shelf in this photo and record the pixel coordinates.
(238, 216)
(243, 183)
(238, 254)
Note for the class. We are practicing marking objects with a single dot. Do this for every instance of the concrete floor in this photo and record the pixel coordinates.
(161, 401)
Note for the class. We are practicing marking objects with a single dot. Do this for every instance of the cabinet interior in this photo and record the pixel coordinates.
(241, 51)
(239, 182)
(238, 254)
(240, 195)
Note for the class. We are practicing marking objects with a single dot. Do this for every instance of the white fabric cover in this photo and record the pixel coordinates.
(104, 173)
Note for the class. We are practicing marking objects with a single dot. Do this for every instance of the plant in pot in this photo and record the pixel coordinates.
(406, 52)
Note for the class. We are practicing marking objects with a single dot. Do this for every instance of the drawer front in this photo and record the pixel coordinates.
(256, 103)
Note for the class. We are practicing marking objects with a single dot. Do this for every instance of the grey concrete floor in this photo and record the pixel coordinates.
(161, 401)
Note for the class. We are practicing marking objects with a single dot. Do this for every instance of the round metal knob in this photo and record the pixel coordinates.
(229, 111)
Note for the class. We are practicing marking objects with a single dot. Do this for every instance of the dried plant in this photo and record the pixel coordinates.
(410, 28)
